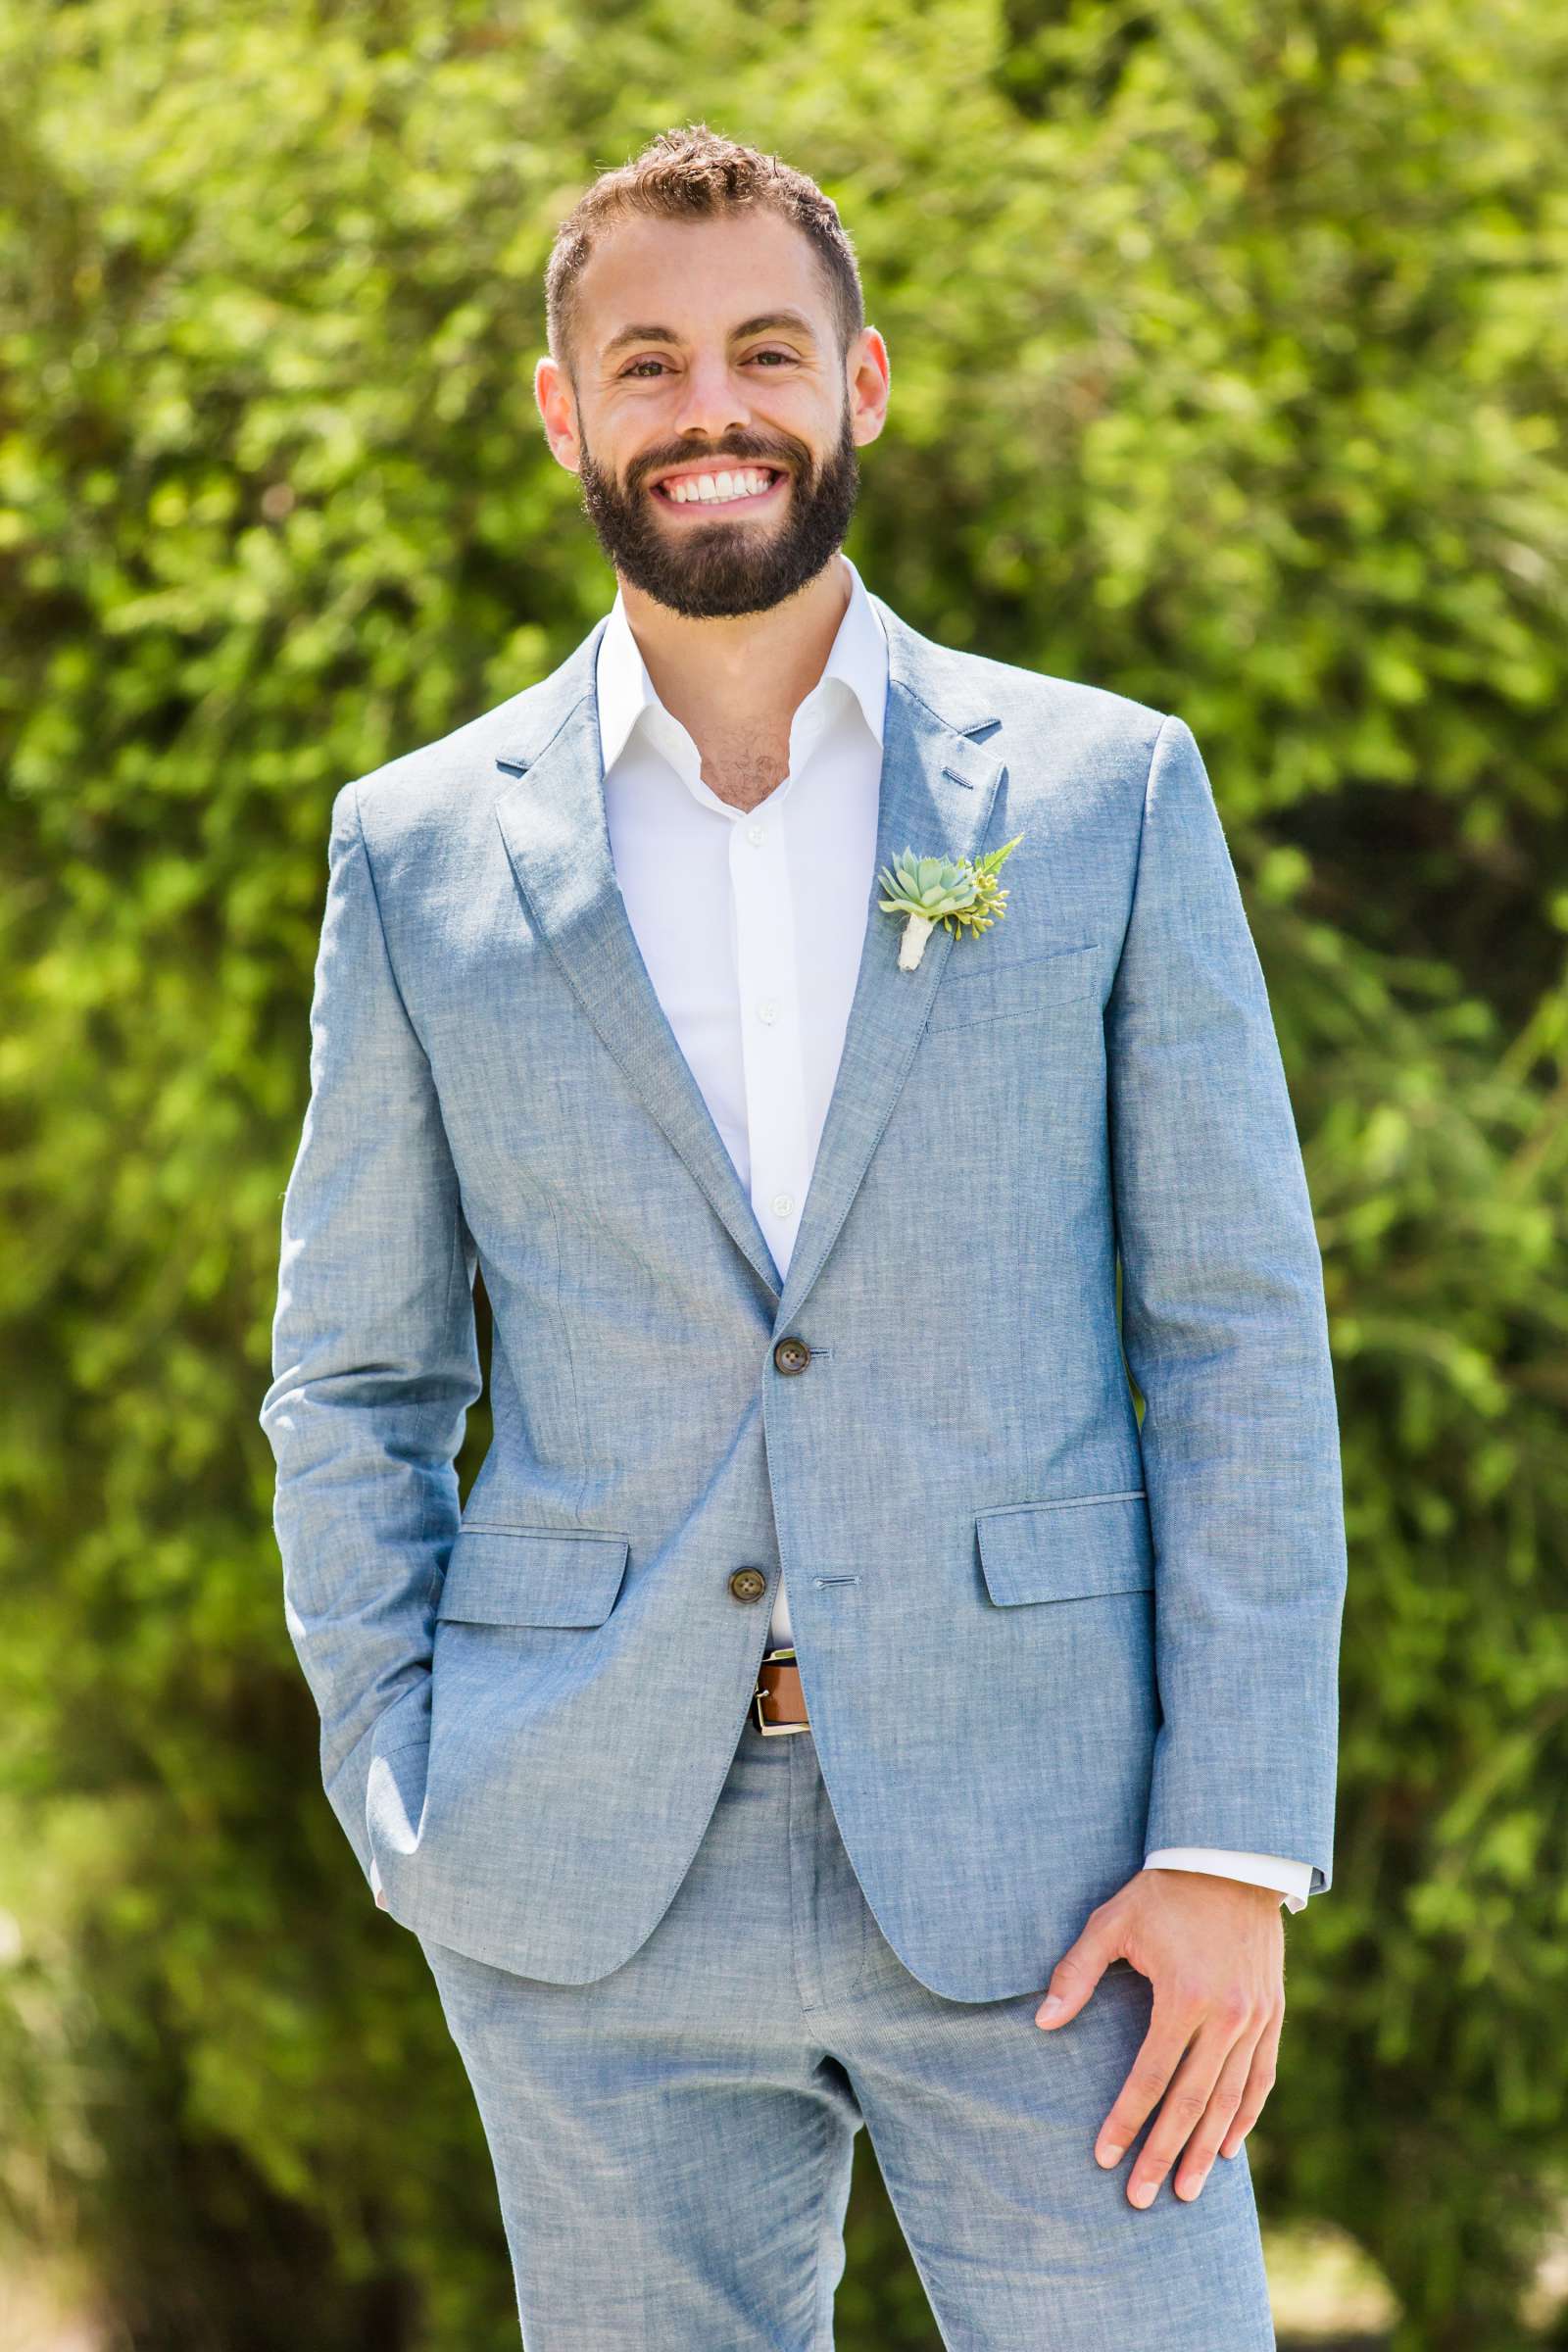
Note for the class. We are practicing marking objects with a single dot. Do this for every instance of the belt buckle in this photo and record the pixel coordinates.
(774, 1731)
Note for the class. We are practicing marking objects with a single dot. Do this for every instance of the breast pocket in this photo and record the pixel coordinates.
(1014, 987)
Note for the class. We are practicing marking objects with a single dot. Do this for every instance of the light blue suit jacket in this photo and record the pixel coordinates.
(1037, 1637)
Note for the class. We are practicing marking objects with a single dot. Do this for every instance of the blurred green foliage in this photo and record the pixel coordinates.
(1229, 346)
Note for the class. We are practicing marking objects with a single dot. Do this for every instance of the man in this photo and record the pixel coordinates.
(828, 1660)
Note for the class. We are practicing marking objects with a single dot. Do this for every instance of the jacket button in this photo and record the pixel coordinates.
(791, 1355)
(748, 1584)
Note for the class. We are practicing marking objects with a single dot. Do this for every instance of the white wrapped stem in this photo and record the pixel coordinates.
(912, 947)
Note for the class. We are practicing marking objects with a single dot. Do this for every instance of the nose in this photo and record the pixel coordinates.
(713, 403)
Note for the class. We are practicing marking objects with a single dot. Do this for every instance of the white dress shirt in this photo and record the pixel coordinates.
(759, 998)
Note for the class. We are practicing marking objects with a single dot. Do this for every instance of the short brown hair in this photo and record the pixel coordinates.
(688, 175)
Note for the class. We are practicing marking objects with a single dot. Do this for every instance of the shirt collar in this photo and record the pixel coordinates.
(627, 701)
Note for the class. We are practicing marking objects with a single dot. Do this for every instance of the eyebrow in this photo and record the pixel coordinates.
(795, 320)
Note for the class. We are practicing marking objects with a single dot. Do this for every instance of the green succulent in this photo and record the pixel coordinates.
(928, 886)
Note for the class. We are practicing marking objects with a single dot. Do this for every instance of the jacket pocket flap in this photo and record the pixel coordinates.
(1066, 1550)
(533, 1576)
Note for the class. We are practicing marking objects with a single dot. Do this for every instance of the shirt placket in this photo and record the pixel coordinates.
(770, 1021)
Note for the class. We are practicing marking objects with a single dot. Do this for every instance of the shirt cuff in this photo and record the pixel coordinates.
(1294, 1880)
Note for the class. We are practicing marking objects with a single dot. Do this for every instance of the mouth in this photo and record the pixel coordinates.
(697, 501)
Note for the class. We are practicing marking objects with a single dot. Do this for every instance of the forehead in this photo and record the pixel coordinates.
(697, 277)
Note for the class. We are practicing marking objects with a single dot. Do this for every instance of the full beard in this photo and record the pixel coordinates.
(717, 570)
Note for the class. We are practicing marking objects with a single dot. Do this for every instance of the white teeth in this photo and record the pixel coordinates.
(710, 488)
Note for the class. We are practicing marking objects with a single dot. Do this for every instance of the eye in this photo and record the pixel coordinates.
(788, 357)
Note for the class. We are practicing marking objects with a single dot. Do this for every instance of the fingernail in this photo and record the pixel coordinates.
(1143, 2193)
(1110, 2153)
(1195, 2188)
(1051, 2010)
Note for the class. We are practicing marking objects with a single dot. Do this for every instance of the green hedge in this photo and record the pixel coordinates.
(1228, 351)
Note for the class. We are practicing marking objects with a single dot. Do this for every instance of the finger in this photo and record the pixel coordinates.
(1202, 2148)
(1181, 2110)
(1171, 2025)
(1079, 1970)
(1259, 2082)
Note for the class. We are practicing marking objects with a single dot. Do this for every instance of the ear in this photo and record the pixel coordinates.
(558, 406)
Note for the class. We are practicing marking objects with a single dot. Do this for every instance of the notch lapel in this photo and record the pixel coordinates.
(553, 822)
(935, 794)
(936, 797)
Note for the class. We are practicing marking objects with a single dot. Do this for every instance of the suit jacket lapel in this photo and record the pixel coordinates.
(937, 790)
(553, 822)
(936, 797)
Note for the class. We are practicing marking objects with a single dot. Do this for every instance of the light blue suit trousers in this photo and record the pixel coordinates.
(672, 2143)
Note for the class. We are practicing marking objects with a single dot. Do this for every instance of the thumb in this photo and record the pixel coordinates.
(1076, 1973)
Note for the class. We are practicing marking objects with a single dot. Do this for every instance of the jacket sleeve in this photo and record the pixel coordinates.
(374, 1351)
(1225, 1332)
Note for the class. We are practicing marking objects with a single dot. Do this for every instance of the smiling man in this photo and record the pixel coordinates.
(833, 1655)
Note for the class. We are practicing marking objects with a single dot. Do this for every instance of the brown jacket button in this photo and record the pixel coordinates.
(748, 1584)
(791, 1355)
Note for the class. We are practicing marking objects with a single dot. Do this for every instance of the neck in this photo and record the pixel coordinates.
(744, 674)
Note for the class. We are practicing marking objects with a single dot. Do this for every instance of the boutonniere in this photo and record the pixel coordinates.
(963, 895)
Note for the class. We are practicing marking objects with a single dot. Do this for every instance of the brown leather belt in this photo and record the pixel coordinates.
(778, 1691)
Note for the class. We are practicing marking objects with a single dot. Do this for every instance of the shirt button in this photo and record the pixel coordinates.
(768, 1010)
(757, 832)
(748, 1584)
(783, 1205)
(791, 1355)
